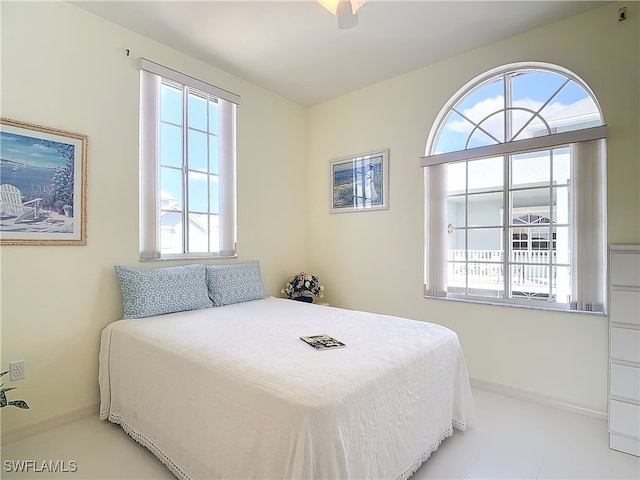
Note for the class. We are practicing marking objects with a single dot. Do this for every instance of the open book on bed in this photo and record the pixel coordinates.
(323, 342)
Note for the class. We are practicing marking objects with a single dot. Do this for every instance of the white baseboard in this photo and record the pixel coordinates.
(541, 399)
(58, 420)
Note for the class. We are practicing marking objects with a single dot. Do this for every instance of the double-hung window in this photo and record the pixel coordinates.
(187, 166)
(515, 182)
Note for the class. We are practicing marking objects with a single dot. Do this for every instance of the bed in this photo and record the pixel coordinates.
(230, 391)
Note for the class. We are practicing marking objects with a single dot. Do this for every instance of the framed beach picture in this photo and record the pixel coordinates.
(43, 185)
(359, 183)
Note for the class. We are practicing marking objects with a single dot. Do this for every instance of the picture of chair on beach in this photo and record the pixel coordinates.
(36, 185)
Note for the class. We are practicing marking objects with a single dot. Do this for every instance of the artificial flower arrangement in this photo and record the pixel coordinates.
(300, 284)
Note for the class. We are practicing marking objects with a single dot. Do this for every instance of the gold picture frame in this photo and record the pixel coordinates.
(43, 185)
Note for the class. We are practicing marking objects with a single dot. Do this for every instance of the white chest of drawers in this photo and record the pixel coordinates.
(624, 348)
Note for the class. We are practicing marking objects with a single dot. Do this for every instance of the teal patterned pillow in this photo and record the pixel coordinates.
(156, 291)
(235, 283)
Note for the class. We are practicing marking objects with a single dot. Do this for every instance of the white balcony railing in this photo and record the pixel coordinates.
(484, 269)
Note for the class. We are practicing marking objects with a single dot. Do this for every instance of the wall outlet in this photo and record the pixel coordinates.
(16, 370)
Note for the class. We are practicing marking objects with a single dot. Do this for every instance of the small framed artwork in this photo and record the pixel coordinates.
(43, 185)
(360, 183)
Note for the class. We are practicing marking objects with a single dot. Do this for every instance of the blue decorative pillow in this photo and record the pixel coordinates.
(155, 291)
(235, 283)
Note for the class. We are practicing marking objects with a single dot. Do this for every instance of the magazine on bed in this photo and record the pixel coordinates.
(323, 342)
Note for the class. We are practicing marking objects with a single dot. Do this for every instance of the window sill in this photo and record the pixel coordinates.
(516, 305)
(189, 257)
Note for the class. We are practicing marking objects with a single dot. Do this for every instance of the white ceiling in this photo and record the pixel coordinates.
(295, 49)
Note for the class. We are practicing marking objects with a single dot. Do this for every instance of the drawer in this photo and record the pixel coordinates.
(625, 269)
(624, 418)
(625, 382)
(625, 344)
(625, 444)
(624, 306)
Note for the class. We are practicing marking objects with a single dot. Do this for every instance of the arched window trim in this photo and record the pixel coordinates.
(529, 144)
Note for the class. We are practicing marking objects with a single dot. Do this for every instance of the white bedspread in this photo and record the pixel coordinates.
(232, 392)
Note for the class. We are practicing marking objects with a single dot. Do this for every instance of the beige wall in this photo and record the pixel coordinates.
(64, 68)
(374, 260)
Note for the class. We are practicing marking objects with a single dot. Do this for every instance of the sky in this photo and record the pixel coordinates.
(485, 105)
(32, 151)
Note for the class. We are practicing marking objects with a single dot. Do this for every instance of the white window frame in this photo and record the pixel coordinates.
(588, 272)
(151, 77)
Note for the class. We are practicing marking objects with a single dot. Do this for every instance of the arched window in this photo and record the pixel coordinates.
(515, 183)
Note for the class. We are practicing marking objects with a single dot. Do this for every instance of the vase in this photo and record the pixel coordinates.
(303, 299)
(305, 296)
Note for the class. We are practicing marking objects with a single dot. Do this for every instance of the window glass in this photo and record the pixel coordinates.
(484, 209)
(572, 109)
(483, 100)
(172, 234)
(486, 244)
(214, 154)
(490, 132)
(198, 192)
(561, 166)
(457, 178)
(198, 232)
(171, 145)
(198, 151)
(214, 233)
(457, 245)
(456, 211)
(537, 198)
(485, 279)
(486, 174)
(562, 200)
(530, 169)
(213, 117)
(197, 112)
(171, 104)
(454, 134)
(531, 89)
(171, 185)
(561, 245)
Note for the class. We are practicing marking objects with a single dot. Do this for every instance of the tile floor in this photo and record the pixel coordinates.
(512, 439)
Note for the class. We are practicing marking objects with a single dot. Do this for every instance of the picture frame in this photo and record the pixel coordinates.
(43, 185)
(359, 183)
